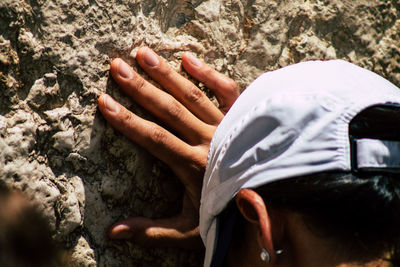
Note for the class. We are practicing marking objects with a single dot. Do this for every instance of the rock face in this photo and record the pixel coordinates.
(54, 61)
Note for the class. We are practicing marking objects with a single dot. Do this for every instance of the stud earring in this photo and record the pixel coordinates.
(264, 255)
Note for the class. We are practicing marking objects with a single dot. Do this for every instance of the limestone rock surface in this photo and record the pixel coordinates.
(54, 63)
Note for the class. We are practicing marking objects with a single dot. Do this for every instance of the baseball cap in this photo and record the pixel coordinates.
(292, 122)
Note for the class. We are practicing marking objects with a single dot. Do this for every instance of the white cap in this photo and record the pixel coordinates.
(292, 122)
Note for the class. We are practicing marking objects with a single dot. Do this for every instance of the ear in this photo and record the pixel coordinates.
(253, 209)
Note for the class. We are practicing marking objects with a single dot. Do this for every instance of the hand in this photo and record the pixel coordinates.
(186, 110)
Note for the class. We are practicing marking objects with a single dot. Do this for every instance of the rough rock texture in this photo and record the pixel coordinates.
(54, 61)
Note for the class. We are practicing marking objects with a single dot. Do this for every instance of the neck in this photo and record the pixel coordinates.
(245, 249)
(310, 250)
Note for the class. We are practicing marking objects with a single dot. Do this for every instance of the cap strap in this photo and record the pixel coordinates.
(374, 154)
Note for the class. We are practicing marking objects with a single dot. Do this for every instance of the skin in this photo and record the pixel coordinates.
(187, 111)
(273, 229)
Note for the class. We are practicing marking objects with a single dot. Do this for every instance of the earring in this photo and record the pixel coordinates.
(264, 255)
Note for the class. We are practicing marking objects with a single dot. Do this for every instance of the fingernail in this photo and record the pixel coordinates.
(120, 232)
(110, 104)
(124, 70)
(193, 60)
(150, 58)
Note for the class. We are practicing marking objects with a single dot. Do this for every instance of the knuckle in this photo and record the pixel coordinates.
(175, 110)
(199, 165)
(226, 84)
(158, 135)
(232, 86)
(127, 118)
(216, 79)
(198, 158)
(207, 138)
(194, 95)
(201, 161)
(139, 85)
(209, 72)
(153, 233)
(166, 71)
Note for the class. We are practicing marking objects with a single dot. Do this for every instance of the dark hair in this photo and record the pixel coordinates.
(25, 236)
(360, 211)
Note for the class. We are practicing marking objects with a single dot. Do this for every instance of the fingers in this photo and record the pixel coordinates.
(154, 138)
(172, 232)
(161, 104)
(224, 88)
(181, 88)
(180, 231)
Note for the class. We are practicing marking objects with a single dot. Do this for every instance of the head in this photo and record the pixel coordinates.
(328, 228)
(25, 237)
(338, 210)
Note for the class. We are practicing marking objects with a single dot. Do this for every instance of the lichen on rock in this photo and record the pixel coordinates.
(54, 62)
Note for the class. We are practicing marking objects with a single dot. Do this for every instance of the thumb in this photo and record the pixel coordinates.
(172, 232)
